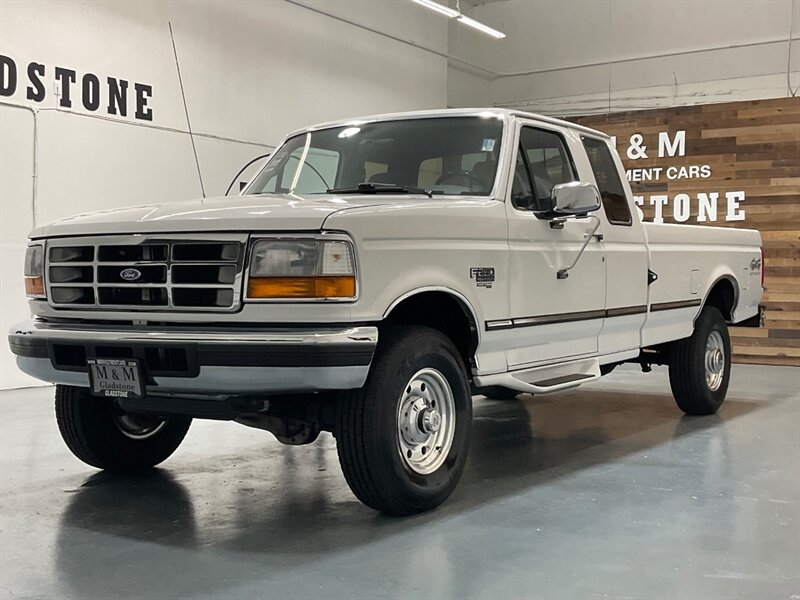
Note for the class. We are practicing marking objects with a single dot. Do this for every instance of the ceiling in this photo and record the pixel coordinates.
(472, 3)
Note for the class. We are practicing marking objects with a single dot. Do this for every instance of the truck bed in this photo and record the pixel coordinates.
(687, 271)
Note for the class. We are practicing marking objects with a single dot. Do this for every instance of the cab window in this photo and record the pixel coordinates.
(543, 162)
(374, 170)
(615, 203)
(450, 156)
(319, 169)
(522, 190)
(475, 170)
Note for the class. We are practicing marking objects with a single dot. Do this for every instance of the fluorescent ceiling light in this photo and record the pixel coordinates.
(452, 13)
(480, 27)
(440, 8)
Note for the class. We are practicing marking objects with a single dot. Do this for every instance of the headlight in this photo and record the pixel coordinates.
(34, 272)
(303, 268)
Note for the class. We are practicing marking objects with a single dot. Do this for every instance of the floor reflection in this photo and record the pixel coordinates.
(277, 500)
(151, 506)
(610, 478)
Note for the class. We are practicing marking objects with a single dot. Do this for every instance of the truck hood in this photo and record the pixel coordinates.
(227, 213)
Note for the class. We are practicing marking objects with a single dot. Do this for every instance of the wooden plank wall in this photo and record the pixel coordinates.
(752, 146)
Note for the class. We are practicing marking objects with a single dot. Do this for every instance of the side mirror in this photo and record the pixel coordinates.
(572, 199)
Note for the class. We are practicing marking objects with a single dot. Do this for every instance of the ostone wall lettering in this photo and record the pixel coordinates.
(114, 96)
(705, 206)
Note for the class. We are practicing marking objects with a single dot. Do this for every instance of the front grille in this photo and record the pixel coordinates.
(180, 273)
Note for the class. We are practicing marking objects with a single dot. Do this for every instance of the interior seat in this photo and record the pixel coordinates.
(385, 177)
(485, 172)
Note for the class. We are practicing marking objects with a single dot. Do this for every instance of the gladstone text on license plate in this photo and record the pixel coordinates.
(115, 378)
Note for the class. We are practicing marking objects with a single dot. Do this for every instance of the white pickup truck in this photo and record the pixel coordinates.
(368, 280)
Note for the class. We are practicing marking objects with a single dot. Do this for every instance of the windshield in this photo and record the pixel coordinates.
(442, 156)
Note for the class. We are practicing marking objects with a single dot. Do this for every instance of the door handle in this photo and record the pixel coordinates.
(597, 236)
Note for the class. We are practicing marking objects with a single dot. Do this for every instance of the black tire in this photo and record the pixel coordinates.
(687, 368)
(367, 429)
(498, 392)
(91, 429)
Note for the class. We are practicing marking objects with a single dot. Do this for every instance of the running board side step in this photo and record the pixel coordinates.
(547, 379)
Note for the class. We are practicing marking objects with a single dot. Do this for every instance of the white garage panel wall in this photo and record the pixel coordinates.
(468, 89)
(252, 72)
(16, 177)
(595, 56)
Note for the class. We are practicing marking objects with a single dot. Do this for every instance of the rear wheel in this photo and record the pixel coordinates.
(102, 435)
(403, 439)
(700, 365)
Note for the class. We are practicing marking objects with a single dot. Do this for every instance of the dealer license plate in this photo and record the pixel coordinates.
(115, 378)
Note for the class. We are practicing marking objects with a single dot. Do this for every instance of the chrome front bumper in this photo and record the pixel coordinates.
(202, 360)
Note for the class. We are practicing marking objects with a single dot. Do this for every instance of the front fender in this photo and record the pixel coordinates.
(408, 246)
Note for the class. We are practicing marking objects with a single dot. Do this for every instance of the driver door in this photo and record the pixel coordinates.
(551, 319)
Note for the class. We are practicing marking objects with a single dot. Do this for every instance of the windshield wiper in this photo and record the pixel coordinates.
(380, 188)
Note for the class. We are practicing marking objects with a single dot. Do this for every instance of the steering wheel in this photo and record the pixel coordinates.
(473, 181)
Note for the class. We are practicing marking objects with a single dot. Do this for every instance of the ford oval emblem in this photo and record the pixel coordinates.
(130, 274)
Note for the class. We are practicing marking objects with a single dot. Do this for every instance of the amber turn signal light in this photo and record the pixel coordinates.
(340, 286)
(34, 287)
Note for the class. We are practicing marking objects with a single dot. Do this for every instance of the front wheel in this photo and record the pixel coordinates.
(403, 439)
(700, 365)
(102, 435)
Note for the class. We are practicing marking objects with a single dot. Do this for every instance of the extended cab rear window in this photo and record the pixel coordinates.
(615, 204)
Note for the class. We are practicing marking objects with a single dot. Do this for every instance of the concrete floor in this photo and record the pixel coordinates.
(601, 492)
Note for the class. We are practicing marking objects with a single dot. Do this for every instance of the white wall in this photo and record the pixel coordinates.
(252, 72)
(590, 56)
(467, 88)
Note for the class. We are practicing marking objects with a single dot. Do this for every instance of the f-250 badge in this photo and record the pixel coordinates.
(483, 276)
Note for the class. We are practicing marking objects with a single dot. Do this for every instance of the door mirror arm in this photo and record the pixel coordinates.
(564, 273)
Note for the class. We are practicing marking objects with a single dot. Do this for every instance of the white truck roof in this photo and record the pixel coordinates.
(451, 112)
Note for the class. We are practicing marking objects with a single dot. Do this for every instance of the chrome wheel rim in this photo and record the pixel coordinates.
(714, 360)
(426, 421)
(138, 427)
